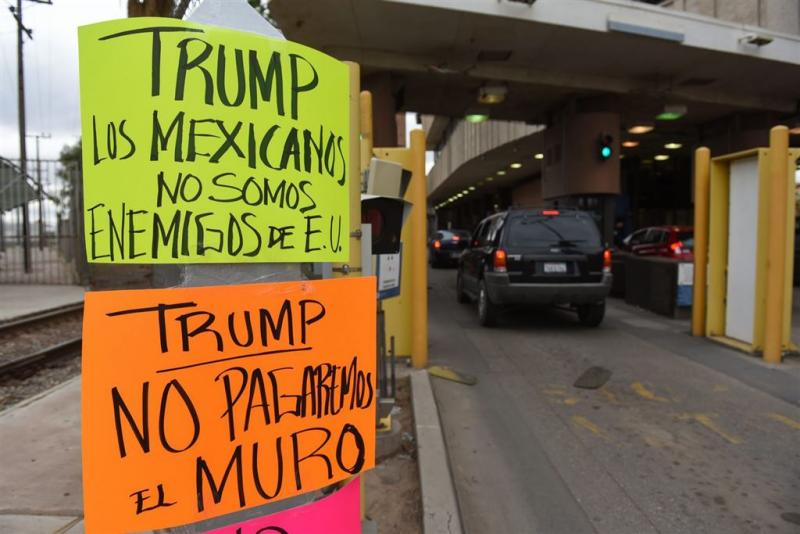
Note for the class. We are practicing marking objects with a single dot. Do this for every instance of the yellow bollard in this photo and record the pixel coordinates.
(702, 181)
(353, 264)
(366, 129)
(419, 252)
(776, 251)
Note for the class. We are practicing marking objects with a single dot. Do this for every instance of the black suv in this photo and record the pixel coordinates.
(536, 256)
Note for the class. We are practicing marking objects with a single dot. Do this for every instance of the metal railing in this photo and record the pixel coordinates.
(40, 223)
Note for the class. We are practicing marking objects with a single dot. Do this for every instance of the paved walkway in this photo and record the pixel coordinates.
(686, 437)
(19, 300)
(40, 462)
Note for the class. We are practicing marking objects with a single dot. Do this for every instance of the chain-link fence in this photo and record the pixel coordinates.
(41, 224)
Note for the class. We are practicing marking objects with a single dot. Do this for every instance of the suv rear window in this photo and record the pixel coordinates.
(538, 230)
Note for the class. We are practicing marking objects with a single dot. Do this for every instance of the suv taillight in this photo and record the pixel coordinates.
(607, 261)
(500, 258)
(437, 244)
(677, 248)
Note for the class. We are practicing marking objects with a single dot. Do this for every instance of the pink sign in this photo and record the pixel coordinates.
(338, 513)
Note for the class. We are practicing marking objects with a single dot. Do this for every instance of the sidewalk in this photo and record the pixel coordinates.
(20, 300)
(40, 458)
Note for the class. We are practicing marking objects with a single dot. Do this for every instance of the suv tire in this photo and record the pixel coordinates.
(461, 297)
(592, 314)
(487, 310)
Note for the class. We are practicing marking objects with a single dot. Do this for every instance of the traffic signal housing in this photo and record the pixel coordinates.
(605, 147)
(383, 206)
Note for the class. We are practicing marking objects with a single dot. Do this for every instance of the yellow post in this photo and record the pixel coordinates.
(419, 252)
(702, 182)
(366, 129)
(776, 253)
(353, 264)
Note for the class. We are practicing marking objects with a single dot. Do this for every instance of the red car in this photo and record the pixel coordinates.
(668, 241)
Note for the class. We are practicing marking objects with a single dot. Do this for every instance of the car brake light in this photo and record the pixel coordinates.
(500, 258)
(456, 239)
(607, 261)
(677, 247)
(551, 212)
(437, 244)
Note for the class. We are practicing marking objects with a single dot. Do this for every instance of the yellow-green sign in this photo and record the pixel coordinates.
(202, 144)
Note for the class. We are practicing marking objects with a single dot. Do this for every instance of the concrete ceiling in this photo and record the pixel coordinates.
(482, 171)
(440, 52)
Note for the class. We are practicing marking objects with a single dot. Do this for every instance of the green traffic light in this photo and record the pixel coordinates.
(605, 152)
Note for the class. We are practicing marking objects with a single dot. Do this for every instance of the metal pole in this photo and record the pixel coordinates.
(40, 192)
(702, 184)
(23, 156)
(394, 364)
(776, 251)
(419, 263)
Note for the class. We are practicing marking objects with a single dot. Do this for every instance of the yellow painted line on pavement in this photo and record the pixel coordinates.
(556, 392)
(705, 420)
(609, 395)
(645, 393)
(788, 421)
(581, 421)
(572, 401)
(719, 388)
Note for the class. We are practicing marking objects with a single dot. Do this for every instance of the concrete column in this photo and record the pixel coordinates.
(384, 109)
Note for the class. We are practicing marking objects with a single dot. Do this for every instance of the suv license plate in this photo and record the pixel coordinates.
(555, 267)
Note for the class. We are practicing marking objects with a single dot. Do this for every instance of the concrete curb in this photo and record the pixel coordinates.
(439, 505)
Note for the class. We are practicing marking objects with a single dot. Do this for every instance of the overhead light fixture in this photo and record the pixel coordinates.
(475, 118)
(661, 157)
(538, 155)
(672, 112)
(516, 165)
(639, 129)
(630, 144)
(755, 39)
(472, 188)
(673, 146)
(492, 94)
(465, 192)
(500, 173)
(490, 178)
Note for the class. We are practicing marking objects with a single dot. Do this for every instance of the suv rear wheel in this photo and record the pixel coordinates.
(592, 314)
(487, 310)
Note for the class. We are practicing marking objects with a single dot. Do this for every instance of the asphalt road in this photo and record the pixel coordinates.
(686, 436)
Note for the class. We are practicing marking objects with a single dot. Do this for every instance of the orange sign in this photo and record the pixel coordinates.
(199, 402)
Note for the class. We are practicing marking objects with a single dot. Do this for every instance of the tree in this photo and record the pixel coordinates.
(150, 8)
(69, 172)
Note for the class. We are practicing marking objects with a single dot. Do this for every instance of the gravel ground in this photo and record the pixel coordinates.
(14, 389)
(393, 495)
(29, 339)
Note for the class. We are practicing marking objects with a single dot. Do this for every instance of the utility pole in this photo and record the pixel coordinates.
(39, 187)
(23, 156)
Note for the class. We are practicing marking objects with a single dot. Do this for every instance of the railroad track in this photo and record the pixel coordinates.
(33, 318)
(15, 365)
(70, 347)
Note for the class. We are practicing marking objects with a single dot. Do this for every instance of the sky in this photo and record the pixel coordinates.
(51, 71)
